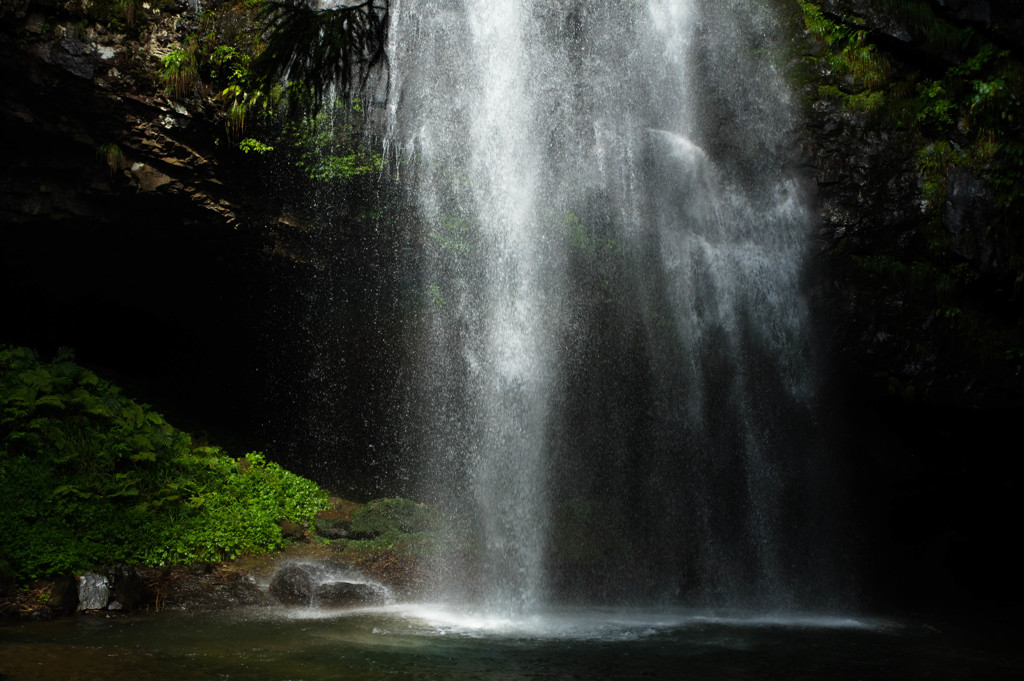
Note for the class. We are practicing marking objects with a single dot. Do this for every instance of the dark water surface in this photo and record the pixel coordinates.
(420, 643)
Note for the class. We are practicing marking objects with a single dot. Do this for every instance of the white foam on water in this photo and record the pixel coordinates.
(431, 619)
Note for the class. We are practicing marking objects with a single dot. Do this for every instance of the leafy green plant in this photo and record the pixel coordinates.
(330, 146)
(856, 70)
(254, 146)
(347, 167)
(935, 109)
(452, 234)
(435, 295)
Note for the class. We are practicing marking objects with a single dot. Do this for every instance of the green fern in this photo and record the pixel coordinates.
(178, 71)
(112, 155)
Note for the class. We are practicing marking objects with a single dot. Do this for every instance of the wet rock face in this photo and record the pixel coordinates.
(868, 186)
(969, 203)
(87, 128)
(918, 296)
(210, 592)
(122, 216)
(127, 589)
(916, 293)
(977, 11)
(64, 596)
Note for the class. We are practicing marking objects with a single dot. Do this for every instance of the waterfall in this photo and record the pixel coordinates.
(611, 368)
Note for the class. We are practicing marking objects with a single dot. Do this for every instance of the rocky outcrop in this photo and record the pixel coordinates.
(89, 135)
(292, 585)
(118, 589)
(214, 590)
(348, 594)
(126, 230)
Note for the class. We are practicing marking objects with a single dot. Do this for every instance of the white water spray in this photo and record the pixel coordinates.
(613, 349)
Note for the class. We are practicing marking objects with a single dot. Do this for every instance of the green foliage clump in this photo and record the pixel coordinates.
(322, 49)
(964, 113)
(948, 102)
(329, 168)
(435, 295)
(971, 118)
(584, 239)
(407, 543)
(452, 234)
(90, 477)
(310, 124)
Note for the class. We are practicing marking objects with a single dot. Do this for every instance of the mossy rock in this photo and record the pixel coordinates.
(331, 523)
(395, 515)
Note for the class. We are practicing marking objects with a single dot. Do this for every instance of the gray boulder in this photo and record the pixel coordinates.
(292, 585)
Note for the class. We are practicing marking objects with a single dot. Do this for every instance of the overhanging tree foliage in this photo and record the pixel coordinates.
(321, 51)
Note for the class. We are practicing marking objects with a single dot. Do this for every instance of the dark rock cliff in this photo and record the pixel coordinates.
(123, 233)
(919, 281)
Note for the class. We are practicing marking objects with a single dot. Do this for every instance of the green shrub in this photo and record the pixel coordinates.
(90, 477)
